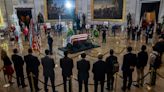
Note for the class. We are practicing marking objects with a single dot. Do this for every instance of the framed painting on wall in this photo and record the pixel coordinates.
(63, 8)
(111, 10)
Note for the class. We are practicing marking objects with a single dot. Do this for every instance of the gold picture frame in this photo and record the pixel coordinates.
(1, 19)
(46, 11)
(122, 19)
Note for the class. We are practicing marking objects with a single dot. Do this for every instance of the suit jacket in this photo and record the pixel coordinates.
(18, 62)
(83, 67)
(66, 64)
(50, 40)
(110, 61)
(99, 70)
(48, 66)
(142, 59)
(160, 47)
(32, 64)
(129, 60)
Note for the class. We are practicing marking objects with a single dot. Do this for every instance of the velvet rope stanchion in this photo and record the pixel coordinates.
(115, 82)
(117, 75)
(71, 83)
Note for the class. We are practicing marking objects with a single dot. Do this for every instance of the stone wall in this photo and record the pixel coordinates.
(83, 6)
(132, 6)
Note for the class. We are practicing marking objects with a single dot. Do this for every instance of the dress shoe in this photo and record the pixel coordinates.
(141, 85)
(107, 88)
(19, 85)
(136, 85)
(123, 89)
(38, 89)
(11, 83)
(24, 86)
(128, 88)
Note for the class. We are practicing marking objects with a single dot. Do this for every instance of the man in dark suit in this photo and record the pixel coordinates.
(66, 64)
(18, 65)
(142, 59)
(112, 67)
(48, 70)
(99, 70)
(129, 62)
(32, 64)
(83, 67)
(50, 43)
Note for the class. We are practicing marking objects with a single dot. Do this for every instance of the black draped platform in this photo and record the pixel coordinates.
(78, 47)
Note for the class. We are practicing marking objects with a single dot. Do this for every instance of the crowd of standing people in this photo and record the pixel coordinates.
(101, 69)
(146, 31)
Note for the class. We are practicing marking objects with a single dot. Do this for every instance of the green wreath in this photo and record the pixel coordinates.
(96, 33)
(70, 32)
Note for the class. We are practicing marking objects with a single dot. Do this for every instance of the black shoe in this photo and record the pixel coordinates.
(19, 85)
(123, 89)
(108, 88)
(136, 85)
(128, 88)
(38, 89)
(11, 83)
(46, 90)
(111, 88)
(141, 85)
(24, 86)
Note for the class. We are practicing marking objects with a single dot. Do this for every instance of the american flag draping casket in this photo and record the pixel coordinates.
(78, 38)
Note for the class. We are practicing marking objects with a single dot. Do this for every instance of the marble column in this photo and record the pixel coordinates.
(161, 11)
(39, 7)
(138, 12)
(7, 10)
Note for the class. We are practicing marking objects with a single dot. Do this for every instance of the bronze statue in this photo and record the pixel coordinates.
(129, 19)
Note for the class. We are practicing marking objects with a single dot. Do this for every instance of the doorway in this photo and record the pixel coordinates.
(24, 15)
(150, 10)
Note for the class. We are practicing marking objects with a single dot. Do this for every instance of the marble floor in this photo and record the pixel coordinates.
(118, 43)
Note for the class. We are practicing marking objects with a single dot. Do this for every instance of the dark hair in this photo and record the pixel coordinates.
(111, 51)
(47, 52)
(83, 55)
(129, 49)
(100, 56)
(15, 50)
(143, 48)
(29, 50)
(65, 53)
